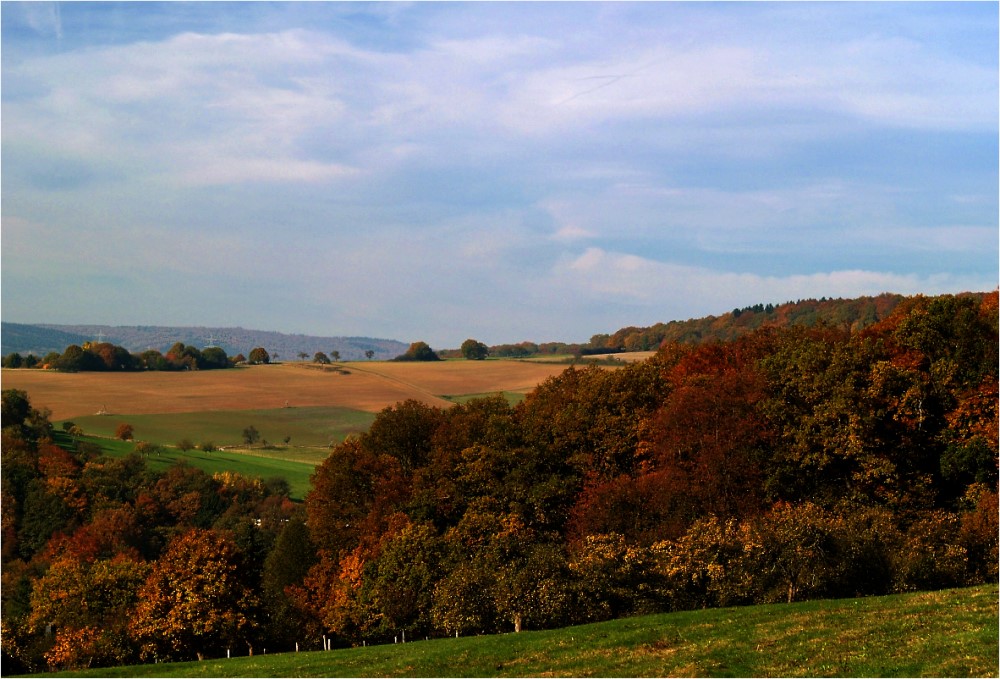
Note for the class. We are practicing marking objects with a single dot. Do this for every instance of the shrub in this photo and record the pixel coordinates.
(185, 445)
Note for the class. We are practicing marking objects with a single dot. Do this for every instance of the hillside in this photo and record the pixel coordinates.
(855, 314)
(43, 338)
(34, 339)
(949, 633)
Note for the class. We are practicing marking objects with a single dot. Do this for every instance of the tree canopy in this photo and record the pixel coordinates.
(418, 351)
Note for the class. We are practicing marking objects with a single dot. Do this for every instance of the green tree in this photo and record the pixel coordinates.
(405, 432)
(400, 582)
(321, 358)
(286, 565)
(251, 435)
(474, 350)
(259, 355)
(214, 358)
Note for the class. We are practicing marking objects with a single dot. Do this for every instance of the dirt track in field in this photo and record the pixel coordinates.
(367, 386)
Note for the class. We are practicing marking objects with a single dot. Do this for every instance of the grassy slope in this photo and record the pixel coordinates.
(946, 633)
(316, 426)
(297, 473)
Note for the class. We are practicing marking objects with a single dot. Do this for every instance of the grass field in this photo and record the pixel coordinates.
(950, 633)
(310, 426)
(290, 464)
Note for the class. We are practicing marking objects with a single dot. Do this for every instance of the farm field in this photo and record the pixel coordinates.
(311, 406)
(948, 633)
(367, 387)
(309, 426)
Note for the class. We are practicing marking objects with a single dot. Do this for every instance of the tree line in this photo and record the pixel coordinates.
(791, 463)
(104, 356)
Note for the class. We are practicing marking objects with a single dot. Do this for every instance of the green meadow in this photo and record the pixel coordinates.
(263, 464)
(316, 427)
(948, 633)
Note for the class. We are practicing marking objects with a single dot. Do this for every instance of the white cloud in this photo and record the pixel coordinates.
(633, 280)
(238, 170)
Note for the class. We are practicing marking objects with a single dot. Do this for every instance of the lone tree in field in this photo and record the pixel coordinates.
(124, 432)
(474, 350)
(335, 355)
(251, 435)
(369, 354)
(259, 355)
(321, 358)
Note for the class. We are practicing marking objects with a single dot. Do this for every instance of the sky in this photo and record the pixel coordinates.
(499, 171)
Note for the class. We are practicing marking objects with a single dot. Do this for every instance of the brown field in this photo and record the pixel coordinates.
(627, 356)
(367, 386)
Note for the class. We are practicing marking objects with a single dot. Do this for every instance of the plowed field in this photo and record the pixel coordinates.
(362, 386)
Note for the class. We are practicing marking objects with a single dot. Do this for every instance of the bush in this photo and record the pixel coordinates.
(207, 446)
(185, 445)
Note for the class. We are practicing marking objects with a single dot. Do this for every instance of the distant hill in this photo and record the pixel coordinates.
(41, 339)
(33, 339)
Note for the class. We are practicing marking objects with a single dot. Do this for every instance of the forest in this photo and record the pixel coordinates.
(789, 463)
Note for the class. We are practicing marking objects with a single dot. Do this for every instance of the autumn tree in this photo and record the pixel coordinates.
(195, 602)
(354, 491)
(124, 432)
(418, 351)
(89, 603)
(708, 436)
(614, 578)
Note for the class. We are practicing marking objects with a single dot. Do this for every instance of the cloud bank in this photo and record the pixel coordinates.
(499, 171)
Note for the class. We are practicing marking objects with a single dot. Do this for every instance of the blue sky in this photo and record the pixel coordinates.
(502, 171)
